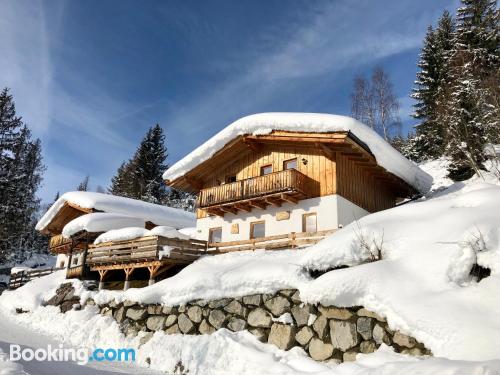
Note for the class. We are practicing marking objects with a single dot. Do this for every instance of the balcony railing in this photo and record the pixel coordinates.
(288, 181)
(59, 244)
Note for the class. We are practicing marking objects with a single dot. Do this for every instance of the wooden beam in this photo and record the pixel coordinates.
(215, 211)
(256, 204)
(327, 151)
(198, 185)
(243, 207)
(229, 209)
(289, 198)
(251, 144)
(273, 201)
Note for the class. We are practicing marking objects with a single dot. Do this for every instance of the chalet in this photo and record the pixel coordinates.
(274, 176)
(94, 234)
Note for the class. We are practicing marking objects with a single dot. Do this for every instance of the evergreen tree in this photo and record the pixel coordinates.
(121, 181)
(84, 185)
(471, 113)
(429, 141)
(20, 177)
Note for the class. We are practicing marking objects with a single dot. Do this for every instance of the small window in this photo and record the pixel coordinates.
(290, 164)
(309, 223)
(257, 229)
(230, 179)
(215, 235)
(266, 169)
(75, 261)
(61, 265)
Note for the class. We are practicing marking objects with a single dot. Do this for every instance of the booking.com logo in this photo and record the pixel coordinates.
(80, 356)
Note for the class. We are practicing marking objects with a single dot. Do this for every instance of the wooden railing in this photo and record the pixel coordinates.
(59, 243)
(289, 180)
(283, 241)
(145, 249)
(18, 279)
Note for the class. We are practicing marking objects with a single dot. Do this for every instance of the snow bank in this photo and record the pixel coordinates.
(157, 214)
(422, 284)
(265, 123)
(130, 233)
(8, 367)
(100, 222)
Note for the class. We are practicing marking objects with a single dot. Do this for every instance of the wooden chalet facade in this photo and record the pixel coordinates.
(285, 182)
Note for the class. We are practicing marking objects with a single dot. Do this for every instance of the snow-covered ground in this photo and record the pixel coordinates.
(421, 285)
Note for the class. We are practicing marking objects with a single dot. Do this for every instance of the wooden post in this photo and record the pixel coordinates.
(128, 273)
(152, 273)
(102, 274)
(294, 244)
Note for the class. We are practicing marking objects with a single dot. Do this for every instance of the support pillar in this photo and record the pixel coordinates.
(102, 274)
(126, 285)
(151, 282)
(128, 273)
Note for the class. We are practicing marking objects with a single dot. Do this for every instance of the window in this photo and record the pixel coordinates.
(290, 164)
(257, 229)
(309, 223)
(61, 265)
(266, 169)
(75, 261)
(230, 179)
(215, 235)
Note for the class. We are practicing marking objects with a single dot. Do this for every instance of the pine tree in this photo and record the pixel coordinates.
(471, 112)
(21, 176)
(429, 140)
(84, 185)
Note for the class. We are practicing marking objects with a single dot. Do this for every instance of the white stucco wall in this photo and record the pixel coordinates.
(331, 211)
(62, 258)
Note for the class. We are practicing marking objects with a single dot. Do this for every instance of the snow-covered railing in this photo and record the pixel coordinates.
(20, 278)
(282, 241)
(145, 249)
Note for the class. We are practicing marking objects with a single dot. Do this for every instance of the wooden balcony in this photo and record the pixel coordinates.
(140, 252)
(74, 272)
(59, 245)
(257, 192)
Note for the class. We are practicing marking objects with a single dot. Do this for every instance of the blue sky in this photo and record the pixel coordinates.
(90, 77)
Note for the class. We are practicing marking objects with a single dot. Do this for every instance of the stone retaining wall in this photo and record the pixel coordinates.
(282, 319)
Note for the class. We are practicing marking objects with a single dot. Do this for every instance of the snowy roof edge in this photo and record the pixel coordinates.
(157, 214)
(264, 123)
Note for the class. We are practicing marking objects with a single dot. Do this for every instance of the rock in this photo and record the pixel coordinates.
(369, 314)
(320, 350)
(236, 324)
(364, 326)
(145, 338)
(380, 335)
(201, 302)
(260, 333)
(128, 303)
(173, 330)
(367, 347)
(205, 328)
(349, 356)
(282, 336)
(155, 309)
(236, 308)
(404, 340)
(335, 312)
(155, 322)
(185, 325)
(106, 311)
(312, 318)
(343, 335)
(304, 335)
(136, 313)
(90, 302)
(277, 305)
(67, 305)
(296, 297)
(301, 314)
(171, 319)
(113, 304)
(194, 313)
(288, 292)
(217, 318)
(167, 310)
(119, 314)
(415, 352)
(254, 300)
(218, 303)
(205, 312)
(259, 318)
(182, 308)
(319, 326)
(69, 295)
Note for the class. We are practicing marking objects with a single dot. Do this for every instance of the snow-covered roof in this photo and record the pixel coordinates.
(265, 123)
(131, 233)
(101, 222)
(155, 213)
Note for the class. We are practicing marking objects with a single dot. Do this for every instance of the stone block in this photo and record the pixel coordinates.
(194, 313)
(278, 305)
(282, 336)
(217, 318)
(304, 336)
(259, 318)
(335, 312)
(364, 326)
(319, 350)
(343, 335)
(185, 324)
